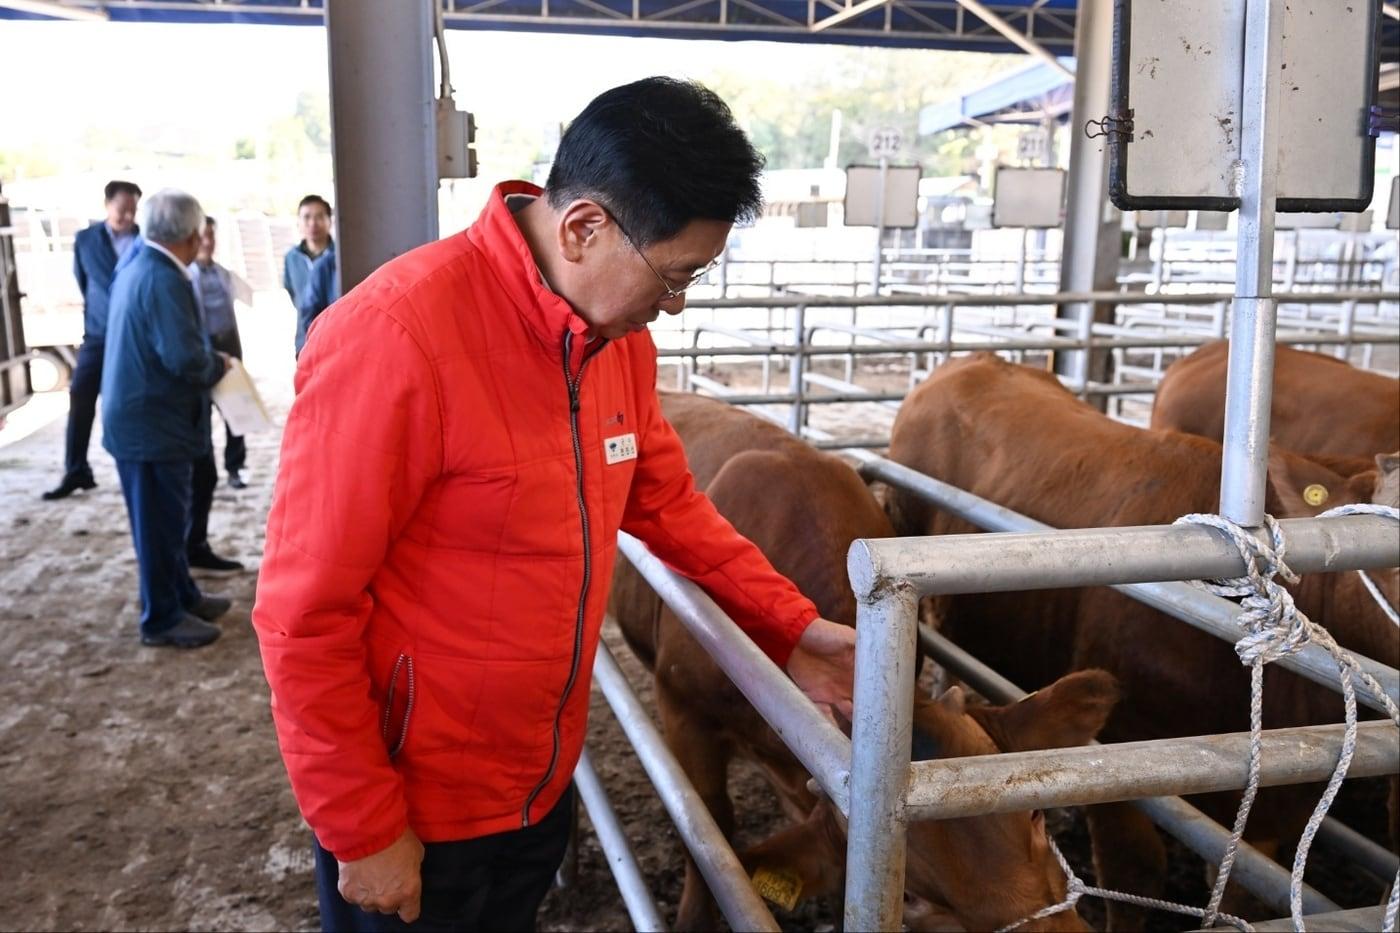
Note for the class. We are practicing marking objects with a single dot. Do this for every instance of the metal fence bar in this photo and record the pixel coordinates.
(1253, 871)
(881, 733)
(1181, 600)
(1033, 299)
(641, 908)
(953, 787)
(1375, 858)
(992, 563)
(823, 750)
(901, 348)
(1360, 920)
(724, 874)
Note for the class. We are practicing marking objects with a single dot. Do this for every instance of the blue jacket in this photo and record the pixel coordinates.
(322, 289)
(296, 269)
(158, 365)
(94, 266)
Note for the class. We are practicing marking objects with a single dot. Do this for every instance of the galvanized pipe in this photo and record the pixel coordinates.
(1254, 871)
(901, 348)
(1194, 606)
(1035, 780)
(994, 563)
(881, 733)
(1031, 299)
(724, 874)
(613, 839)
(1360, 920)
(823, 750)
(1372, 856)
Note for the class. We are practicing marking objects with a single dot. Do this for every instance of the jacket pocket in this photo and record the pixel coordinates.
(398, 705)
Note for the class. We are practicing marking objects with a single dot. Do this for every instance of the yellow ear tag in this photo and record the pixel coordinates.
(1315, 495)
(781, 888)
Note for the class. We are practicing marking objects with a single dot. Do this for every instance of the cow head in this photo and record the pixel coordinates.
(1303, 488)
(952, 864)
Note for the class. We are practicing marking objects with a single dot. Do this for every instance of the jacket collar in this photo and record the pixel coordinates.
(499, 239)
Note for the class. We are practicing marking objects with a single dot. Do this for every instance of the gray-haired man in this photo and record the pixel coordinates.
(156, 376)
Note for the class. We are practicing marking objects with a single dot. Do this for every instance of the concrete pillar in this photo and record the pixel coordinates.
(383, 131)
(1091, 243)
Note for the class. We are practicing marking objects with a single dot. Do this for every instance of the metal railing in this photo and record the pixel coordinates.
(937, 327)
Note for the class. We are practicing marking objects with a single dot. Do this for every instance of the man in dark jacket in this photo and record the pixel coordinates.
(157, 372)
(96, 251)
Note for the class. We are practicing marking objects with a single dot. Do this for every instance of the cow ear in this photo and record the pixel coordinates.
(1303, 488)
(1387, 486)
(1071, 711)
(953, 701)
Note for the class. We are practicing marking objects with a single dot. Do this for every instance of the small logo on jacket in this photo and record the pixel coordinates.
(615, 419)
(620, 448)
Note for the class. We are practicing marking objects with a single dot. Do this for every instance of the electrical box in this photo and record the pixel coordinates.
(456, 131)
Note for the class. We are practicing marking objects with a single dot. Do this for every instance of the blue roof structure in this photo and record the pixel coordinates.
(930, 24)
(1027, 95)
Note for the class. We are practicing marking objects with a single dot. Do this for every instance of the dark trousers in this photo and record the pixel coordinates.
(235, 451)
(158, 505)
(203, 482)
(204, 476)
(491, 883)
(82, 408)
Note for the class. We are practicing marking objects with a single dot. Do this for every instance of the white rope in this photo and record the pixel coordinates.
(1274, 628)
(1075, 888)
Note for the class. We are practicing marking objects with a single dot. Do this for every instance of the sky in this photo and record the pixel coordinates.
(217, 76)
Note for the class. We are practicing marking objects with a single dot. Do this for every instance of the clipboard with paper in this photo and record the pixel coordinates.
(239, 403)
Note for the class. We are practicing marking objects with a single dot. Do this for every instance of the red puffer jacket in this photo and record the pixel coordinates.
(454, 472)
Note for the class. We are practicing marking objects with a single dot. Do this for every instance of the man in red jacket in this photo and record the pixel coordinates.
(473, 425)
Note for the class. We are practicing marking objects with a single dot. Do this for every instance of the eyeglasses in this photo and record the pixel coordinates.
(671, 292)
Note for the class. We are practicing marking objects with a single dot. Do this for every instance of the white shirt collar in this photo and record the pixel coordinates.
(178, 264)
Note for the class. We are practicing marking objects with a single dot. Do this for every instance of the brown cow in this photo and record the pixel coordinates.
(803, 508)
(1322, 405)
(1015, 436)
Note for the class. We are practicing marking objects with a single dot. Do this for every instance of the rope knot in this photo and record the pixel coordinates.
(1273, 625)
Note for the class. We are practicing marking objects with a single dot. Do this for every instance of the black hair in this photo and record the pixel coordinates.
(115, 188)
(658, 154)
(316, 199)
(210, 221)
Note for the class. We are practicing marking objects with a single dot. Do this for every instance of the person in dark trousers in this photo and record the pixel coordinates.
(96, 251)
(317, 247)
(157, 372)
(215, 288)
(474, 423)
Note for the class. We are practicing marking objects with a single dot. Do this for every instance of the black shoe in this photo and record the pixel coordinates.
(71, 484)
(205, 559)
(210, 608)
(189, 632)
(235, 480)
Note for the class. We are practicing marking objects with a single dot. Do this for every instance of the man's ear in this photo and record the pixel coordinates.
(577, 224)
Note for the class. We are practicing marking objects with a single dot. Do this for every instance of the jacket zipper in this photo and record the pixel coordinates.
(402, 662)
(573, 383)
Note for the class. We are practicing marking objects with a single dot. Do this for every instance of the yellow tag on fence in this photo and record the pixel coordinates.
(1315, 495)
(781, 888)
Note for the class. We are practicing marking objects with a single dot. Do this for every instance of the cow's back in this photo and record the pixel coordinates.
(800, 506)
(1321, 405)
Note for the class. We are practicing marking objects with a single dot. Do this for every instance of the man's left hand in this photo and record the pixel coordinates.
(823, 665)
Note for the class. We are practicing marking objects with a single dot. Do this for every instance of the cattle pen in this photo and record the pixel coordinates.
(871, 779)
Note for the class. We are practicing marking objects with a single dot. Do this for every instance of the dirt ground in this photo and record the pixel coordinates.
(142, 789)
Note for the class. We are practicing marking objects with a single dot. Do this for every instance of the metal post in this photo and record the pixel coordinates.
(1089, 258)
(383, 131)
(879, 227)
(797, 415)
(880, 738)
(613, 840)
(1021, 262)
(1250, 383)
